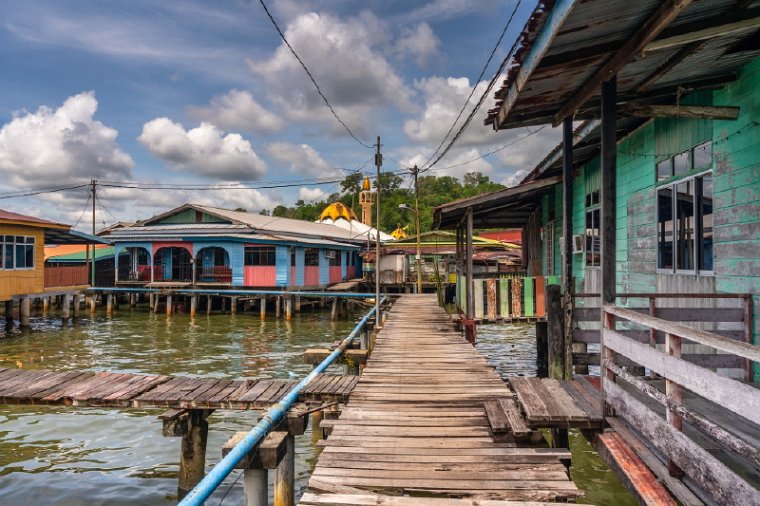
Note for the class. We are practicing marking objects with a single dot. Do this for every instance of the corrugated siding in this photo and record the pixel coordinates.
(344, 256)
(283, 265)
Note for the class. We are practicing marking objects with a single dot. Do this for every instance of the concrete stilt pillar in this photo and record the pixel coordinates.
(277, 307)
(289, 308)
(233, 305)
(224, 305)
(150, 301)
(209, 301)
(284, 478)
(192, 456)
(76, 304)
(298, 303)
(263, 308)
(46, 304)
(156, 301)
(132, 300)
(321, 303)
(193, 305)
(8, 313)
(25, 307)
(334, 310)
(66, 307)
(255, 487)
(169, 306)
(109, 304)
(93, 305)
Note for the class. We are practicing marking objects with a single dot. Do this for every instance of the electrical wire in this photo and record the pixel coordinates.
(308, 73)
(86, 205)
(477, 81)
(29, 193)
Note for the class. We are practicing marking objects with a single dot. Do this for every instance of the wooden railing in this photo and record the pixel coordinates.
(734, 323)
(75, 275)
(642, 404)
(215, 274)
(507, 297)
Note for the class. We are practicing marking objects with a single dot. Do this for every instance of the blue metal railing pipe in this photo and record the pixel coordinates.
(273, 416)
(199, 291)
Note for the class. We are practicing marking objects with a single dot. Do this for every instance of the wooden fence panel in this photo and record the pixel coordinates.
(478, 297)
(504, 297)
(528, 297)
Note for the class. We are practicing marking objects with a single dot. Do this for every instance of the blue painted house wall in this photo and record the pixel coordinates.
(344, 255)
(300, 259)
(235, 251)
(282, 256)
(324, 267)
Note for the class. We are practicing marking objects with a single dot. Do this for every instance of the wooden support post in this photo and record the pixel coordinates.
(169, 305)
(224, 305)
(150, 301)
(132, 300)
(193, 305)
(284, 478)
(298, 303)
(567, 243)
(66, 307)
(192, 426)
(233, 305)
(334, 309)
(468, 262)
(263, 308)
(277, 306)
(209, 303)
(555, 332)
(608, 217)
(255, 487)
(109, 304)
(270, 454)
(674, 393)
(8, 313)
(75, 301)
(321, 303)
(542, 350)
(46, 304)
(606, 356)
(25, 307)
(156, 301)
(288, 307)
(93, 305)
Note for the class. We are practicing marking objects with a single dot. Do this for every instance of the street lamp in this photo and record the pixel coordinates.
(416, 212)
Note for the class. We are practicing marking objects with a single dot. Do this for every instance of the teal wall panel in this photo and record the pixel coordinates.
(282, 258)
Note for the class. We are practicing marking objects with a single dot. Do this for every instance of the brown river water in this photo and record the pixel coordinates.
(78, 456)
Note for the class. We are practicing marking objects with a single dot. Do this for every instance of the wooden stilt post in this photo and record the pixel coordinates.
(555, 332)
(75, 300)
(156, 301)
(109, 304)
(298, 303)
(150, 301)
(132, 300)
(334, 310)
(8, 313)
(255, 487)
(284, 478)
(289, 307)
(25, 306)
(277, 306)
(224, 305)
(66, 307)
(193, 305)
(93, 305)
(542, 350)
(263, 308)
(674, 392)
(321, 303)
(233, 305)
(567, 244)
(169, 306)
(46, 304)
(209, 301)
(191, 424)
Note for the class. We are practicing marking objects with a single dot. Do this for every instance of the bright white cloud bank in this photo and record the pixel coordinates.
(237, 110)
(301, 158)
(55, 146)
(311, 194)
(205, 150)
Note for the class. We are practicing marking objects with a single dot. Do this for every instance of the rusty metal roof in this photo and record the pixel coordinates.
(565, 42)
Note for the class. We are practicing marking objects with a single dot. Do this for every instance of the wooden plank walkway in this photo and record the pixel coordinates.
(124, 390)
(416, 424)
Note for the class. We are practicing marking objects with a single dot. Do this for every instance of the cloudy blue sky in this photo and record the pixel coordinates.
(206, 93)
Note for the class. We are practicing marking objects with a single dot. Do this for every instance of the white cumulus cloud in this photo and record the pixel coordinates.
(300, 158)
(347, 60)
(458, 163)
(419, 43)
(58, 145)
(237, 110)
(311, 194)
(205, 150)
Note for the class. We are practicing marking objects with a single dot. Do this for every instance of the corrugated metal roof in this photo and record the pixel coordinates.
(31, 220)
(594, 31)
(81, 256)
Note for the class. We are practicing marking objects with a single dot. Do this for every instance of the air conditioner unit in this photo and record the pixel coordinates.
(330, 254)
(579, 244)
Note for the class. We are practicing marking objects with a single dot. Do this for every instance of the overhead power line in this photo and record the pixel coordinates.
(29, 193)
(311, 77)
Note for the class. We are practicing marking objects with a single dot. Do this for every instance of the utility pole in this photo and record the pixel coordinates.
(94, 186)
(378, 164)
(416, 171)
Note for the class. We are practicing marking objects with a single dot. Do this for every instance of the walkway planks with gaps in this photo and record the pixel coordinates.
(416, 424)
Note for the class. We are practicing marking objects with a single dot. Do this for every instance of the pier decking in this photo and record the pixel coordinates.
(416, 424)
(124, 390)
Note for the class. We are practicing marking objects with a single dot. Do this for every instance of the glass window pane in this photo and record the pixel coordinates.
(9, 256)
(685, 227)
(706, 254)
(665, 228)
(681, 163)
(20, 256)
(592, 238)
(664, 170)
(703, 155)
(29, 255)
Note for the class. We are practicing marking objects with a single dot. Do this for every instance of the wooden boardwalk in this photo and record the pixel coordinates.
(416, 424)
(124, 390)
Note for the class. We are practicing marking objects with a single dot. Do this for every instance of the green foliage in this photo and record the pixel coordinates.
(394, 191)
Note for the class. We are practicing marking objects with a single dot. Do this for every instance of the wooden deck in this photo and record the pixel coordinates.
(124, 390)
(416, 424)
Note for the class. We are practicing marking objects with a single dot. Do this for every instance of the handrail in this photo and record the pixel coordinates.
(742, 349)
(655, 295)
(197, 291)
(271, 418)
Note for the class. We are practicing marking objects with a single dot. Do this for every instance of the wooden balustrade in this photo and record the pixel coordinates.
(705, 399)
(505, 298)
(59, 276)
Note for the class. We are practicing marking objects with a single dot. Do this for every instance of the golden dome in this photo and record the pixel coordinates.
(399, 233)
(338, 210)
(366, 185)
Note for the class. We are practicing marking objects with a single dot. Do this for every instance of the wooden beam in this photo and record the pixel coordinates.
(723, 28)
(679, 111)
(666, 67)
(656, 23)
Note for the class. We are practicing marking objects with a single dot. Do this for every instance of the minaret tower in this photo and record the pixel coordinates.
(366, 199)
